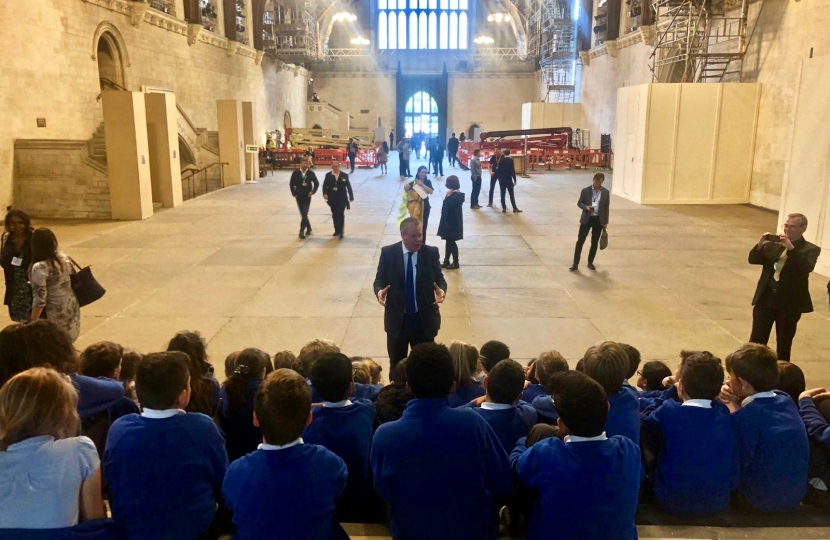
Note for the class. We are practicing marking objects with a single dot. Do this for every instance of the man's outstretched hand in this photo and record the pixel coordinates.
(382, 295)
(439, 294)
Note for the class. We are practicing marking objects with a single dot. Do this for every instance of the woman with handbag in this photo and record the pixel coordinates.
(418, 205)
(51, 281)
(15, 257)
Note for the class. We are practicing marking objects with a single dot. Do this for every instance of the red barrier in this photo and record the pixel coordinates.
(365, 158)
(326, 157)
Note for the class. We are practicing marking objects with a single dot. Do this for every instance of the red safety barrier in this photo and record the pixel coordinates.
(365, 158)
(326, 157)
(285, 158)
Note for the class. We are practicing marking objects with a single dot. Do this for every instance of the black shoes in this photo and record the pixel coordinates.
(308, 232)
(302, 236)
(453, 266)
(591, 266)
(573, 268)
(445, 264)
(340, 236)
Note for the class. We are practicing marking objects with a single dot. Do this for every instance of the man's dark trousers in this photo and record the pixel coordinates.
(303, 203)
(476, 190)
(507, 185)
(412, 333)
(595, 227)
(338, 218)
(768, 310)
(493, 180)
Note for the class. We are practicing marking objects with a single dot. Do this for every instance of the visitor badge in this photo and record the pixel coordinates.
(305, 184)
(17, 261)
(335, 189)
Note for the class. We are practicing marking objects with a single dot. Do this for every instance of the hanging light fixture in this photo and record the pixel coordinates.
(499, 17)
(360, 40)
(344, 16)
(483, 40)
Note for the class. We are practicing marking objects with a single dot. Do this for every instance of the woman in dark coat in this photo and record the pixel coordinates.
(451, 227)
(16, 257)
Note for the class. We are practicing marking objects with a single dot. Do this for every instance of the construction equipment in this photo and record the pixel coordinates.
(329, 138)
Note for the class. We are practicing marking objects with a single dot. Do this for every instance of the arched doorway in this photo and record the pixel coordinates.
(186, 157)
(110, 65)
(286, 120)
(471, 131)
(421, 114)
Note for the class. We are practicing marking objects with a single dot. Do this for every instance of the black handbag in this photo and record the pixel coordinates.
(86, 288)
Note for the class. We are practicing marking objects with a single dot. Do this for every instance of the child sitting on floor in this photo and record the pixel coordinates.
(510, 418)
(608, 364)
(237, 402)
(588, 483)
(285, 489)
(693, 441)
(464, 357)
(344, 427)
(773, 449)
(633, 365)
(492, 353)
(548, 363)
(650, 378)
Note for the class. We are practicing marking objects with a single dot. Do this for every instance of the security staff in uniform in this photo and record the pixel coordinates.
(337, 191)
(303, 185)
(494, 172)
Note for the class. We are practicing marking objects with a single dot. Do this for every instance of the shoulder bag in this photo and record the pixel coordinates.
(85, 286)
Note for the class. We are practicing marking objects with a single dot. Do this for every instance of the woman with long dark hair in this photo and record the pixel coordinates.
(51, 284)
(16, 257)
(417, 205)
(383, 157)
(204, 388)
(237, 403)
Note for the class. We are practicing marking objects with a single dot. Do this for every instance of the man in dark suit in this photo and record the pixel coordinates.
(594, 201)
(494, 173)
(337, 191)
(303, 185)
(783, 292)
(506, 172)
(452, 150)
(410, 285)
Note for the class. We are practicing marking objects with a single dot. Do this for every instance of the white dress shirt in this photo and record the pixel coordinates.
(337, 404)
(702, 403)
(266, 446)
(753, 397)
(596, 199)
(495, 406)
(574, 438)
(156, 414)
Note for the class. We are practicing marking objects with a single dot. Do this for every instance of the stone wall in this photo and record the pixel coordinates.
(56, 179)
(493, 101)
(355, 91)
(50, 70)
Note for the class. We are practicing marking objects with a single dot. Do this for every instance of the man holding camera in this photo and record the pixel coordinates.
(783, 292)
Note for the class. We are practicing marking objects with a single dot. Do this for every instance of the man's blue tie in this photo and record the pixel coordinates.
(410, 286)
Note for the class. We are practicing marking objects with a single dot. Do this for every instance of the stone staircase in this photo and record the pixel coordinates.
(98, 145)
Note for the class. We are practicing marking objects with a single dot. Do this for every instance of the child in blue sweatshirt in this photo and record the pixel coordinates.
(236, 403)
(773, 449)
(695, 444)
(442, 470)
(286, 489)
(588, 483)
(510, 418)
(165, 466)
(344, 427)
(464, 361)
(607, 363)
(633, 365)
(548, 363)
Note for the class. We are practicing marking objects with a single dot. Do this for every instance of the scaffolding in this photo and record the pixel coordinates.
(551, 37)
(290, 32)
(696, 41)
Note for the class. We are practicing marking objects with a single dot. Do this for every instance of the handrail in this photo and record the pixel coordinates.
(111, 84)
(192, 174)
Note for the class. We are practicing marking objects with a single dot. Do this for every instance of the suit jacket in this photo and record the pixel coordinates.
(300, 186)
(793, 285)
(505, 170)
(338, 190)
(586, 199)
(392, 272)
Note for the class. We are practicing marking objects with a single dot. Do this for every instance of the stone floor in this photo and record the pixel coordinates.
(230, 265)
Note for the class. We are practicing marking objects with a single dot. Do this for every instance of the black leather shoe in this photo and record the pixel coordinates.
(573, 268)
(453, 266)
(340, 236)
(591, 266)
(335, 234)
(302, 236)
(445, 264)
(308, 232)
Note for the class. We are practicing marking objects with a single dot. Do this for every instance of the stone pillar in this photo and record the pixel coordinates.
(231, 140)
(163, 139)
(250, 137)
(128, 155)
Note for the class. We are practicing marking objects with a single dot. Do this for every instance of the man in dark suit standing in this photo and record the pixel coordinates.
(337, 191)
(783, 292)
(452, 150)
(506, 172)
(303, 185)
(494, 173)
(595, 201)
(410, 285)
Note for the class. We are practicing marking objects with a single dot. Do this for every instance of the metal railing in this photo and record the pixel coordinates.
(190, 178)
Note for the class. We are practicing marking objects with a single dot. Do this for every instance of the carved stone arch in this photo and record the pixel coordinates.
(113, 41)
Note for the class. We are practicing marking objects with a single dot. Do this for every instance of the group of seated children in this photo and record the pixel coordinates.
(295, 447)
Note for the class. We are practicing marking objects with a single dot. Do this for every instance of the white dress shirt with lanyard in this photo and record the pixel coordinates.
(596, 197)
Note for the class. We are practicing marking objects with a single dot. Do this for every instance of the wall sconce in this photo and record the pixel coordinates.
(344, 16)
(360, 40)
(499, 17)
(483, 40)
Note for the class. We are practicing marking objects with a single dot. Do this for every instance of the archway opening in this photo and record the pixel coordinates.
(110, 69)
(471, 131)
(421, 115)
(286, 120)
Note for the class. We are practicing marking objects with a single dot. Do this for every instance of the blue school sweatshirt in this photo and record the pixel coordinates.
(96, 394)
(623, 416)
(463, 396)
(587, 490)
(533, 391)
(347, 432)
(163, 473)
(546, 410)
(361, 391)
(287, 493)
(510, 424)
(817, 426)
(773, 453)
(241, 435)
(443, 471)
(695, 471)
(631, 390)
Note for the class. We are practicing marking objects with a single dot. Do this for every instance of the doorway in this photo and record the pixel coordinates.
(110, 66)
(421, 115)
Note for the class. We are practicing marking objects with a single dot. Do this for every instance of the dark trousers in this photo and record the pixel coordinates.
(772, 309)
(338, 217)
(595, 227)
(412, 333)
(493, 181)
(507, 185)
(303, 202)
(454, 158)
(425, 221)
(439, 167)
(451, 249)
(351, 160)
(476, 190)
(404, 167)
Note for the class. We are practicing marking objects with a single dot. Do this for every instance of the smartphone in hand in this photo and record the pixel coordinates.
(774, 238)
